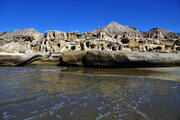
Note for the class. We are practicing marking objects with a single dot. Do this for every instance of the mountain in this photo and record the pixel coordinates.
(112, 37)
(15, 35)
(161, 33)
(114, 28)
(10, 34)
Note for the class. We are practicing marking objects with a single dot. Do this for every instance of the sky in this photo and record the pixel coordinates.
(86, 15)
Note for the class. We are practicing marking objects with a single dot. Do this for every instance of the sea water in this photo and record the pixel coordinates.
(60, 93)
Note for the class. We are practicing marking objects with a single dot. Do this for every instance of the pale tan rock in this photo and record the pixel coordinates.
(127, 49)
(83, 46)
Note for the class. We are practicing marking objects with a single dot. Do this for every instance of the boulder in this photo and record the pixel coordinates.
(72, 58)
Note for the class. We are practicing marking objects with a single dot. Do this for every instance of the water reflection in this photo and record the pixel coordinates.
(40, 93)
(170, 73)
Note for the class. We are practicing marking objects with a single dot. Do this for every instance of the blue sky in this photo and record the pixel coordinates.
(85, 15)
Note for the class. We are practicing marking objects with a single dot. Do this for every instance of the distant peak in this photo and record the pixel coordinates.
(158, 29)
(113, 23)
(24, 29)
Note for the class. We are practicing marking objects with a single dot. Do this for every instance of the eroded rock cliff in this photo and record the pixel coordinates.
(113, 37)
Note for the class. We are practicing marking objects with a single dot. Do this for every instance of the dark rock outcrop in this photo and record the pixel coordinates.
(9, 60)
(18, 60)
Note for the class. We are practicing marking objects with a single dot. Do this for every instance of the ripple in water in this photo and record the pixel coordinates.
(38, 93)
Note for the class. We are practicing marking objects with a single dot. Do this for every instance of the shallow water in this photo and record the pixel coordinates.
(53, 93)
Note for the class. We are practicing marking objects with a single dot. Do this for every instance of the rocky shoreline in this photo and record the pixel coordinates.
(21, 60)
(95, 58)
(114, 45)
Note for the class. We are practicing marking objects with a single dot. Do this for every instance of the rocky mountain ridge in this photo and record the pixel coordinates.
(112, 28)
(162, 32)
(113, 37)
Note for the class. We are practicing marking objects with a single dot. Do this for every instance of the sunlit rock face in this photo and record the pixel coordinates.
(161, 33)
(112, 37)
(54, 35)
(21, 33)
(22, 40)
(96, 58)
(114, 29)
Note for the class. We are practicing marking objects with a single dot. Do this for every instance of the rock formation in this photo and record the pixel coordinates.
(113, 29)
(22, 32)
(113, 37)
(160, 33)
(94, 58)
(19, 40)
